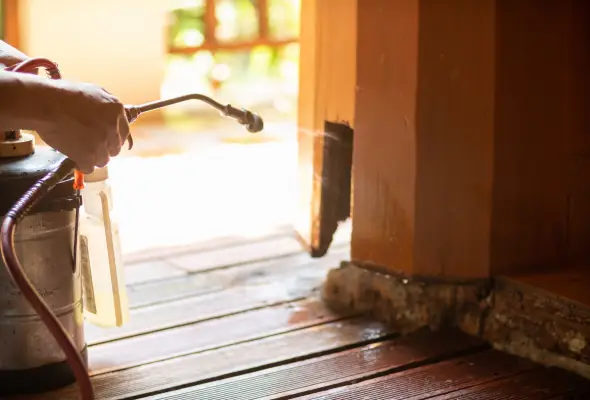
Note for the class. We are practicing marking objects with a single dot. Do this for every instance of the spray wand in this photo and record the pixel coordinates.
(253, 124)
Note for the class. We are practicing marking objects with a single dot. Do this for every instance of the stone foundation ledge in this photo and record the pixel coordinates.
(513, 318)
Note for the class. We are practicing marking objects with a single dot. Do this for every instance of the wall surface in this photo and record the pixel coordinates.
(471, 142)
(118, 44)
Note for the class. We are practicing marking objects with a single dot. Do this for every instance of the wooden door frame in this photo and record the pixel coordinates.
(11, 22)
(327, 88)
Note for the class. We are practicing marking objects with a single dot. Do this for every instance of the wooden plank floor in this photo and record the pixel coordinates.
(242, 321)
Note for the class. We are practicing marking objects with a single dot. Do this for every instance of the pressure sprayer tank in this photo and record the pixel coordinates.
(46, 242)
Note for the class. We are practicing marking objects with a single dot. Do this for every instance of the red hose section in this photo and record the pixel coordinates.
(40, 189)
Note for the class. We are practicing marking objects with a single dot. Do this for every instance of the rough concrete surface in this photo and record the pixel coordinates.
(406, 304)
(537, 325)
(514, 318)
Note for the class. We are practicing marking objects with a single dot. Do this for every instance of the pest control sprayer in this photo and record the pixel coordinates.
(60, 260)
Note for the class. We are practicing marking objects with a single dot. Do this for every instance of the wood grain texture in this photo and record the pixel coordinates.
(230, 360)
(539, 384)
(327, 90)
(541, 135)
(270, 285)
(437, 379)
(213, 281)
(207, 335)
(471, 147)
(424, 135)
(196, 309)
(337, 369)
(454, 128)
(240, 254)
(204, 245)
(148, 271)
(384, 157)
(236, 329)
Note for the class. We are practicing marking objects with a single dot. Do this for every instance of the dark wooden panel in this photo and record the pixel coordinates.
(171, 289)
(334, 187)
(534, 385)
(535, 123)
(207, 335)
(270, 286)
(436, 379)
(231, 360)
(337, 369)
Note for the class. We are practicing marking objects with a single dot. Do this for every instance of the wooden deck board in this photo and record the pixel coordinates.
(228, 361)
(246, 326)
(268, 285)
(207, 335)
(336, 369)
(438, 378)
(149, 271)
(197, 284)
(542, 383)
(245, 253)
(202, 246)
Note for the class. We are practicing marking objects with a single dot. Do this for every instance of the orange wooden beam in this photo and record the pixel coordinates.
(11, 23)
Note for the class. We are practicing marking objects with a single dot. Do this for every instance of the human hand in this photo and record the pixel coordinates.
(82, 121)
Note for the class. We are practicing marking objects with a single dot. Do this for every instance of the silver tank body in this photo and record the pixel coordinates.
(44, 243)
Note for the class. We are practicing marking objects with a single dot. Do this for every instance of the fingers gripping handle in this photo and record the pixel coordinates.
(131, 116)
(132, 112)
(31, 66)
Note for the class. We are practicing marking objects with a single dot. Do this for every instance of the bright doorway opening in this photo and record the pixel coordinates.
(194, 175)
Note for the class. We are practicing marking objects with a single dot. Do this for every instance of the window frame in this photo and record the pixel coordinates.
(211, 43)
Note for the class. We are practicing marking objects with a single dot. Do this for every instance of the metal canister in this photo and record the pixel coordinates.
(46, 243)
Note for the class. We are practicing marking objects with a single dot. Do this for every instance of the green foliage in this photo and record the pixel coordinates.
(185, 20)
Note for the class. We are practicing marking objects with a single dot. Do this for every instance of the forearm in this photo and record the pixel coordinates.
(9, 55)
(20, 101)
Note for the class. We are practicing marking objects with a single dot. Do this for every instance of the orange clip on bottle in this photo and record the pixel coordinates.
(78, 180)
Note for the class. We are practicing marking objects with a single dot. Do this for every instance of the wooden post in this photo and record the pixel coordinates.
(471, 173)
(470, 137)
(423, 151)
